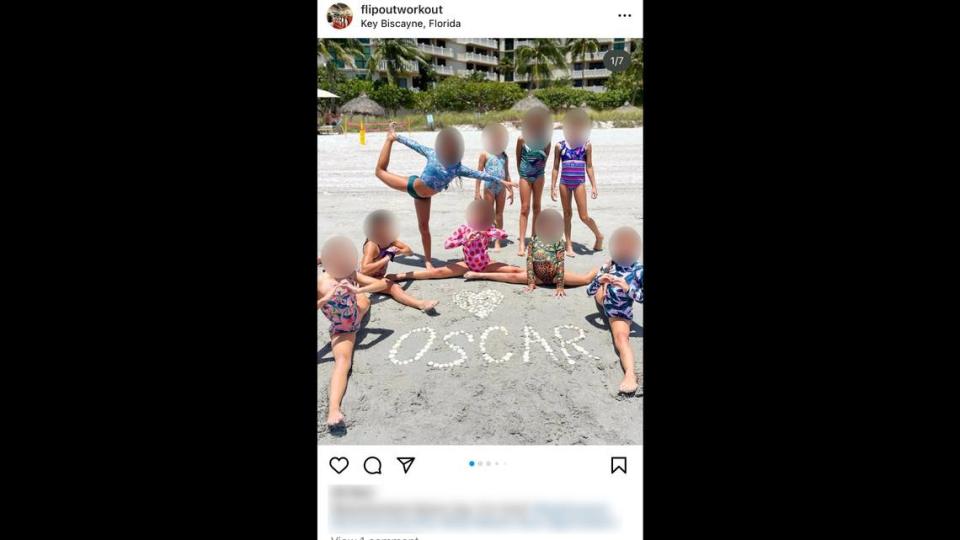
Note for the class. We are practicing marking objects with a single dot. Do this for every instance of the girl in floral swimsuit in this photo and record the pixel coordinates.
(617, 286)
(474, 237)
(545, 256)
(341, 300)
(381, 230)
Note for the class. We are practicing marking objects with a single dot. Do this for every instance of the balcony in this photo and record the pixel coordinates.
(443, 70)
(482, 42)
(590, 73)
(436, 51)
(478, 58)
(490, 76)
(405, 67)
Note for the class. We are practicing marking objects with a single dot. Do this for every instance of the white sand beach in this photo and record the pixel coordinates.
(546, 400)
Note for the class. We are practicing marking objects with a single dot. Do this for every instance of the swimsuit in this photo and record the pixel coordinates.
(616, 301)
(495, 166)
(435, 175)
(532, 163)
(474, 249)
(342, 311)
(573, 170)
(390, 250)
(545, 262)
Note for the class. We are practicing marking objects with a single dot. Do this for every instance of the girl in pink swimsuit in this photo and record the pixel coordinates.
(341, 300)
(474, 237)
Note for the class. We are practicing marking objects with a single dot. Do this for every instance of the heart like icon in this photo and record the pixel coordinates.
(339, 464)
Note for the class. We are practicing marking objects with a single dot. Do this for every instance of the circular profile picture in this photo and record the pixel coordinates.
(339, 16)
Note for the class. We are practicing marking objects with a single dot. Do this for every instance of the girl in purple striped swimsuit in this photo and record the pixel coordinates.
(575, 155)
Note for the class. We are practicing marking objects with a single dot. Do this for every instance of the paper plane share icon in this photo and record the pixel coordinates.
(406, 462)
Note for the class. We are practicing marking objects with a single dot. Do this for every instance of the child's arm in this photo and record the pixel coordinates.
(456, 239)
(414, 145)
(402, 249)
(494, 232)
(555, 174)
(558, 279)
(593, 180)
(369, 264)
(531, 276)
(480, 166)
(477, 175)
(636, 286)
(594, 285)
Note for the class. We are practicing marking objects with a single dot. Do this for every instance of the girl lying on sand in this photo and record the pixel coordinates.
(474, 236)
(443, 165)
(545, 255)
(341, 300)
(618, 285)
(380, 247)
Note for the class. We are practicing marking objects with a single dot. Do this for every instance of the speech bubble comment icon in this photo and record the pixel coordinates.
(372, 465)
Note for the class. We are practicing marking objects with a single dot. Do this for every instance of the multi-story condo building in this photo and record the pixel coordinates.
(463, 57)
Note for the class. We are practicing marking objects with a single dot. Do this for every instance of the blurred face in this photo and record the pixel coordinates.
(384, 233)
(550, 226)
(495, 138)
(576, 128)
(339, 257)
(625, 246)
(536, 128)
(479, 215)
(449, 147)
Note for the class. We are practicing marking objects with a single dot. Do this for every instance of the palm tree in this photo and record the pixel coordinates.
(344, 50)
(579, 49)
(395, 53)
(504, 66)
(540, 60)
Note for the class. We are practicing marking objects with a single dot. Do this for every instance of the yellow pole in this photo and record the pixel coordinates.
(363, 133)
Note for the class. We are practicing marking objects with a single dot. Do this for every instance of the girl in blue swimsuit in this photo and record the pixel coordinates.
(493, 161)
(443, 165)
(533, 148)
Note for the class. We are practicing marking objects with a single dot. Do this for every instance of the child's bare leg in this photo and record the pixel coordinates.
(518, 278)
(454, 269)
(526, 193)
(498, 213)
(580, 195)
(342, 345)
(535, 203)
(397, 293)
(620, 328)
(572, 279)
(393, 180)
(423, 222)
(565, 200)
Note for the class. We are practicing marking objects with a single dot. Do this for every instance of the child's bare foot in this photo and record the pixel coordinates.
(629, 384)
(598, 245)
(334, 418)
(428, 265)
(570, 252)
(521, 250)
(427, 305)
(470, 275)
(496, 246)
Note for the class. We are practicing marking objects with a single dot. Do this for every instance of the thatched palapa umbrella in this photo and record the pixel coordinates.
(364, 106)
(528, 103)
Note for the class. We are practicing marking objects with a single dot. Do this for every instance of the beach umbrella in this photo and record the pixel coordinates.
(363, 105)
(323, 94)
(528, 103)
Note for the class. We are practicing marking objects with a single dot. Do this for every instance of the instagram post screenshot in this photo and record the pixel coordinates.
(480, 275)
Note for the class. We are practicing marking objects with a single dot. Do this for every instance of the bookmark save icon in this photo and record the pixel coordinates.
(406, 462)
